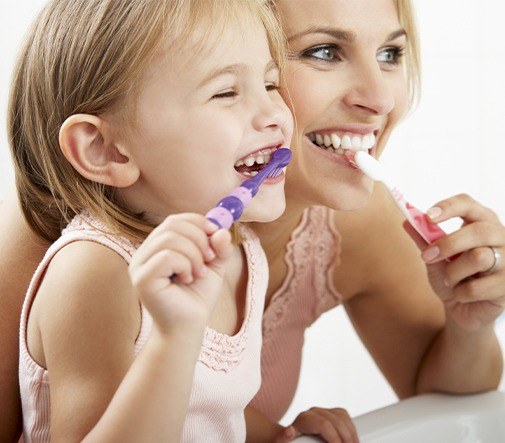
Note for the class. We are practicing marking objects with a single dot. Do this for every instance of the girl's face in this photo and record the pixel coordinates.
(201, 115)
(347, 88)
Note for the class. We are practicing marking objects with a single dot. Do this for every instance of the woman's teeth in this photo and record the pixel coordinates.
(342, 144)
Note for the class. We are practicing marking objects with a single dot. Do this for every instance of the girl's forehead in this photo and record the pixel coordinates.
(210, 40)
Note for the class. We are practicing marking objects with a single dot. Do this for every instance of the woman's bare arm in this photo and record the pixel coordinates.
(20, 252)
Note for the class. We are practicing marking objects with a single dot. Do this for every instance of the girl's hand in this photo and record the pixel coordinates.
(471, 285)
(178, 271)
(331, 425)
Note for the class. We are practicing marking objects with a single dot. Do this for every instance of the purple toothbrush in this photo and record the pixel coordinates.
(230, 208)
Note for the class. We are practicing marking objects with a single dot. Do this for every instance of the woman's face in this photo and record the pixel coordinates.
(346, 86)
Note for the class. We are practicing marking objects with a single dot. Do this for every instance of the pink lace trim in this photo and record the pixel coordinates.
(96, 228)
(222, 352)
(313, 238)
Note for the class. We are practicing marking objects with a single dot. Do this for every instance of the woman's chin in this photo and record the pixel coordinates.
(348, 198)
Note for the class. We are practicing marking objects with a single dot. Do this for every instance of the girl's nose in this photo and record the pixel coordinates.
(370, 92)
(272, 112)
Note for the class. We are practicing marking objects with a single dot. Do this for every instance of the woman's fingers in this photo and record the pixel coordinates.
(333, 425)
(477, 261)
(462, 206)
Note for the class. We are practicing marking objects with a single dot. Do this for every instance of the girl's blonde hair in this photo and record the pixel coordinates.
(89, 56)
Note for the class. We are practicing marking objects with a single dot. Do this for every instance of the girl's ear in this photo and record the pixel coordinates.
(87, 143)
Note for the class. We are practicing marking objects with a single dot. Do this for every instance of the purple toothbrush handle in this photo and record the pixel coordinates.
(230, 208)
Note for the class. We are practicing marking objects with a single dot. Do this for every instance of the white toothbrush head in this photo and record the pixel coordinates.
(370, 166)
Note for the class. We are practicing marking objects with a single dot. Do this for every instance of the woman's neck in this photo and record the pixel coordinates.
(275, 235)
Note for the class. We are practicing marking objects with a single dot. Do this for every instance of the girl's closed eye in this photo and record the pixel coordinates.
(228, 94)
(272, 86)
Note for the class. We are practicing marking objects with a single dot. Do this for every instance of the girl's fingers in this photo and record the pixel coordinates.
(193, 226)
(153, 274)
(171, 241)
(221, 244)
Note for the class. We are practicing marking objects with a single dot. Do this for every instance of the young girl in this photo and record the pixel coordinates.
(130, 133)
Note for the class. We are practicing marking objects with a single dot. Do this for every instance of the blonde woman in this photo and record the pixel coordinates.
(352, 74)
(130, 135)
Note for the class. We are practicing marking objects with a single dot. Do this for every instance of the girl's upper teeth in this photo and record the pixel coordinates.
(261, 157)
(348, 141)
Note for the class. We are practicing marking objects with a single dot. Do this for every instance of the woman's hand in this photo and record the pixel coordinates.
(462, 267)
(178, 271)
(331, 425)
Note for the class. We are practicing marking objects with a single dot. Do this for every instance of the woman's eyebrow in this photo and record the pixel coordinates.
(338, 34)
(396, 34)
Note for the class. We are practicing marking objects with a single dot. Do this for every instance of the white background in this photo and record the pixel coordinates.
(454, 142)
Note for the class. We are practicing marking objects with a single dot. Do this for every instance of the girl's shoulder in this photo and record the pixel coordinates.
(85, 289)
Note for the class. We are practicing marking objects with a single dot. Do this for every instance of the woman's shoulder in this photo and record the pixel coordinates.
(16, 237)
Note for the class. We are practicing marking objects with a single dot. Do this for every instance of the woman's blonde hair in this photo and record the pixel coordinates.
(89, 56)
(407, 19)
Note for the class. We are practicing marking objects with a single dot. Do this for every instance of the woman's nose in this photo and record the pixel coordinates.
(370, 92)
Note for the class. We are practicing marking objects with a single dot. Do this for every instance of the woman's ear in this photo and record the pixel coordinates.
(87, 143)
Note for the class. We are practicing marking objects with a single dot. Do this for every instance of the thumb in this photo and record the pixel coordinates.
(414, 235)
(288, 434)
(221, 243)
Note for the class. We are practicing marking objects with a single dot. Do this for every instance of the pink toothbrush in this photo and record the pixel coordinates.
(230, 208)
(428, 230)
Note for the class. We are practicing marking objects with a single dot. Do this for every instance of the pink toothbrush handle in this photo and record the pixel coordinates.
(428, 230)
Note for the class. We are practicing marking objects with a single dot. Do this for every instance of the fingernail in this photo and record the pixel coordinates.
(202, 271)
(290, 432)
(430, 254)
(434, 212)
(212, 227)
(447, 283)
(211, 255)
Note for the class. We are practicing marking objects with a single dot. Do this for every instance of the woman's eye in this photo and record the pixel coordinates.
(391, 55)
(326, 53)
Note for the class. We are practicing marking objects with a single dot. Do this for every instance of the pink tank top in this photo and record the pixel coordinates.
(227, 374)
(307, 292)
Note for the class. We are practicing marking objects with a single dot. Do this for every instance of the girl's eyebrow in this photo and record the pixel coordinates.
(235, 69)
(272, 65)
(340, 34)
